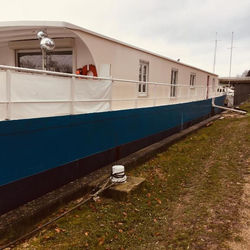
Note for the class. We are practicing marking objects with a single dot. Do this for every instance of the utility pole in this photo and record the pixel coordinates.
(231, 54)
(215, 51)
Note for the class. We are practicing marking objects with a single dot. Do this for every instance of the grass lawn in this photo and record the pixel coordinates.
(191, 199)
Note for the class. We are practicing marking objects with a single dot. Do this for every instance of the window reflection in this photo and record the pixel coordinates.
(59, 61)
(30, 60)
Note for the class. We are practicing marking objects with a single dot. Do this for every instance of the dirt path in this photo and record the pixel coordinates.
(210, 206)
(243, 242)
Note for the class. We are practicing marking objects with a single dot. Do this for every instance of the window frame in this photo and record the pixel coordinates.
(192, 80)
(143, 85)
(173, 85)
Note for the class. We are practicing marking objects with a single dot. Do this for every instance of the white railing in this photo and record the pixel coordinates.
(29, 93)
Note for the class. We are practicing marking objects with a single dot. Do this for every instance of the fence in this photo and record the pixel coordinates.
(29, 93)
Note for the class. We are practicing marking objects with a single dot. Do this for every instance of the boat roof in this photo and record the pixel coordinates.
(235, 80)
(60, 24)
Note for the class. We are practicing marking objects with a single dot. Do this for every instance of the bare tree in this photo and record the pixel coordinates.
(246, 73)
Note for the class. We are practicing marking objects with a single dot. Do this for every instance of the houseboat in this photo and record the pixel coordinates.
(72, 101)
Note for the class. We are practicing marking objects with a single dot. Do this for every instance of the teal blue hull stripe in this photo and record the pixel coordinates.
(32, 146)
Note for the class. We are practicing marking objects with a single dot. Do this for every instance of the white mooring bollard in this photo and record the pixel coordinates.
(118, 174)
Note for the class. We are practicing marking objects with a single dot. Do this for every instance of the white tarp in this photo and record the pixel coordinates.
(3, 91)
(89, 95)
(3, 96)
(38, 95)
(33, 87)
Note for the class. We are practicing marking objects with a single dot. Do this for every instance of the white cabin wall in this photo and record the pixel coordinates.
(7, 56)
(83, 56)
(124, 61)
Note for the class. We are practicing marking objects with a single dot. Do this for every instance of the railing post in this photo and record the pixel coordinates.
(72, 92)
(136, 94)
(154, 94)
(8, 94)
(111, 94)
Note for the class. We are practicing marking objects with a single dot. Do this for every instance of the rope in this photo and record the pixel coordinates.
(94, 196)
(118, 175)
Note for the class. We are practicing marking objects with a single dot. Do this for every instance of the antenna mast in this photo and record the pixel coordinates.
(215, 51)
(231, 54)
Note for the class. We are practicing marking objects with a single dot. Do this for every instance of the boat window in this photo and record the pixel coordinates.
(143, 78)
(59, 61)
(174, 78)
(213, 84)
(140, 72)
(192, 79)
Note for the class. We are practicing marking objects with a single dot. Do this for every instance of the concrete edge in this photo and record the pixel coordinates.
(20, 220)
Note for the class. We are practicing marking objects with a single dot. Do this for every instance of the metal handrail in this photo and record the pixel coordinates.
(53, 73)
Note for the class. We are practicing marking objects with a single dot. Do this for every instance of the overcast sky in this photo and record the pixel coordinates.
(182, 29)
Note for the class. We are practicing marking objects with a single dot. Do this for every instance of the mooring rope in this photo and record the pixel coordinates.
(94, 196)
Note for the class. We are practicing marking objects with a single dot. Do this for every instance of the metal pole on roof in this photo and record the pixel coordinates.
(215, 51)
(46, 44)
(231, 54)
(44, 59)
